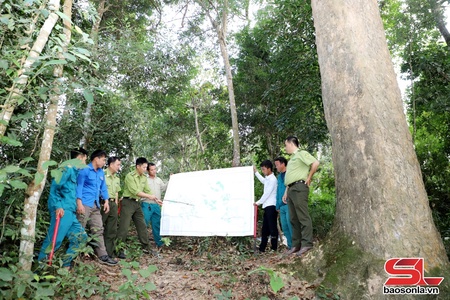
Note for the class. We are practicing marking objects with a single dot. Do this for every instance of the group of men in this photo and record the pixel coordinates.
(89, 198)
(288, 195)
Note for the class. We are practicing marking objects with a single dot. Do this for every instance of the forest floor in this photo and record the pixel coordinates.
(214, 268)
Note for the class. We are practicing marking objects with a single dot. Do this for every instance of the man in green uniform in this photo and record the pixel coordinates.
(299, 173)
(135, 188)
(110, 219)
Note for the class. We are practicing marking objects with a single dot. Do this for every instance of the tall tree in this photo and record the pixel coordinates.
(217, 14)
(381, 200)
(36, 187)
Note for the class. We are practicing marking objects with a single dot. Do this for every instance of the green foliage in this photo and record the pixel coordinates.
(18, 284)
(278, 81)
(429, 115)
(131, 287)
(13, 177)
(81, 281)
(425, 61)
(409, 25)
(322, 197)
(276, 283)
(166, 241)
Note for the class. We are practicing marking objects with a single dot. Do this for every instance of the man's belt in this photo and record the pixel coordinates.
(295, 182)
(124, 198)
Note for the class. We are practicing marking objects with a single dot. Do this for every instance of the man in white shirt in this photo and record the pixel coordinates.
(151, 210)
(268, 201)
(156, 184)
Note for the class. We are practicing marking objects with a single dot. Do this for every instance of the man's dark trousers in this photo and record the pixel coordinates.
(131, 210)
(110, 221)
(302, 230)
(269, 228)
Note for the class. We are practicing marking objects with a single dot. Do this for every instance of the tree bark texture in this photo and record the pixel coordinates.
(34, 190)
(18, 87)
(381, 200)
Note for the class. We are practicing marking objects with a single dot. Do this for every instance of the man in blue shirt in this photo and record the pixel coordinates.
(61, 202)
(90, 185)
(280, 164)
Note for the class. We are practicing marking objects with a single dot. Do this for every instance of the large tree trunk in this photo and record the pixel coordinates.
(15, 94)
(221, 29)
(35, 189)
(381, 200)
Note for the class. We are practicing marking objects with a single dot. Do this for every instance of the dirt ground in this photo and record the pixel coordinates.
(191, 268)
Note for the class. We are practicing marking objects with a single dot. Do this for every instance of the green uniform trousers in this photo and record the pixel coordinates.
(302, 230)
(131, 210)
(110, 221)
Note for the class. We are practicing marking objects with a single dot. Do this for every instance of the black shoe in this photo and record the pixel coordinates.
(105, 259)
(121, 255)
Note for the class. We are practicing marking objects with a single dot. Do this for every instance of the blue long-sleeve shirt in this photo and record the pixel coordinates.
(90, 184)
(63, 194)
(280, 190)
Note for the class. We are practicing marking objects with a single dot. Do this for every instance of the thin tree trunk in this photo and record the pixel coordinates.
(234, 119)
(222, 35)
(14, 97)
(198, 135)
(34, 190)
(96, 27)
(438, 14)
(382, 204)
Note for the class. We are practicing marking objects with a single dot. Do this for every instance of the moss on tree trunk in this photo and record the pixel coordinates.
(340, 266)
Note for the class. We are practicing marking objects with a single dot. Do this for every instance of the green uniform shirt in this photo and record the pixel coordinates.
(112, 183)
(298, 167)
(134, 184)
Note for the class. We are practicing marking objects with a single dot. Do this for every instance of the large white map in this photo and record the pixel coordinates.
(209, 203)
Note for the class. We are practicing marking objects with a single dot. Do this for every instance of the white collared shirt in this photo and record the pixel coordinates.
(269, 196)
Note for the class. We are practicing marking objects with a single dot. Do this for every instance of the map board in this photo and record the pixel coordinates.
(209, 203)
